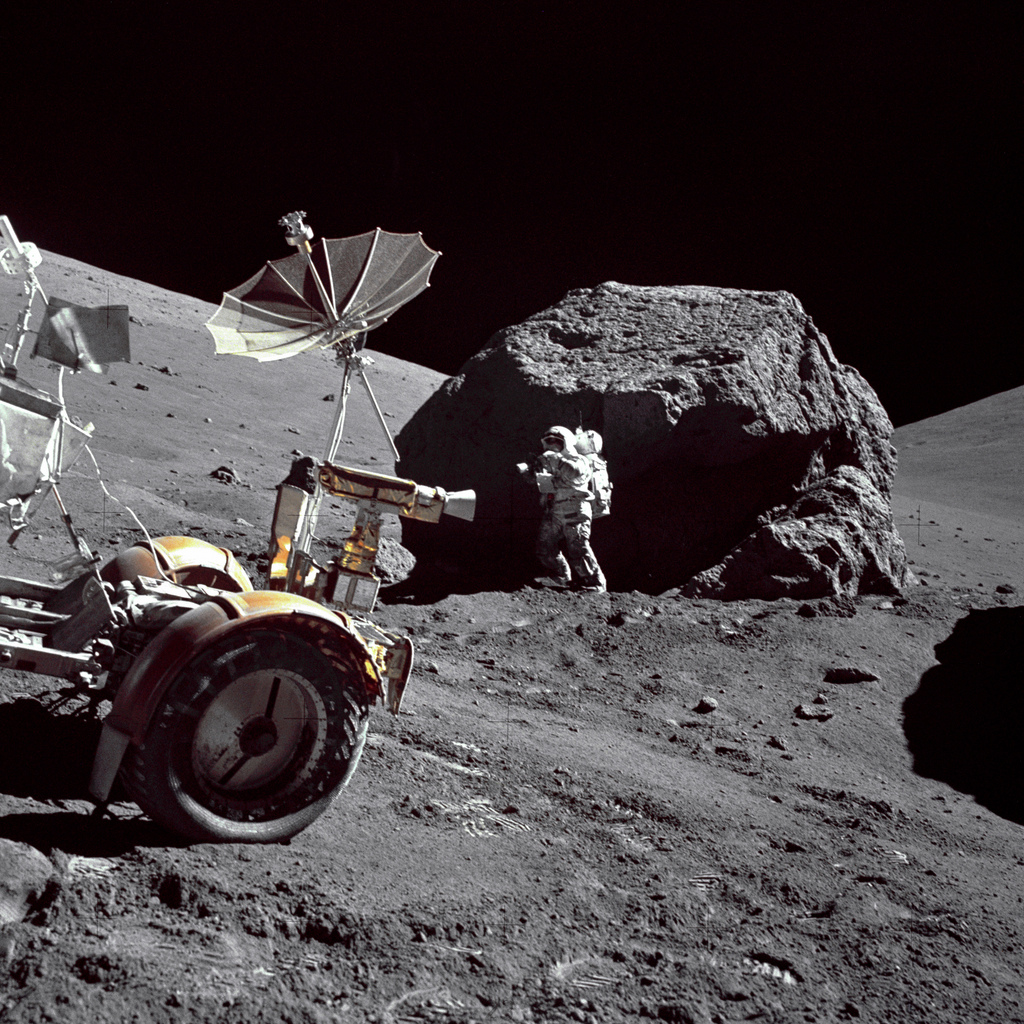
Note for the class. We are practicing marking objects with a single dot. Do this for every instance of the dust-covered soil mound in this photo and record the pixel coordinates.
(596, 808)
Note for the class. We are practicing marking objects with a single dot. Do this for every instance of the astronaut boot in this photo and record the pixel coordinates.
(553, 582)
(559, 574)
(592, 583)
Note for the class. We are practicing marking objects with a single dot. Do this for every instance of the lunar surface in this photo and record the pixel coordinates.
(594, 807)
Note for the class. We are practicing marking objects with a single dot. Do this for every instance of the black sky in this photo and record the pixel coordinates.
(864, 156)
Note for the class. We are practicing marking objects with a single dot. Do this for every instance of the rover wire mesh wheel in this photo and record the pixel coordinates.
(252, 740)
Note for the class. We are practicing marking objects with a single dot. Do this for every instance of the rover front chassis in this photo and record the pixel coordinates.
(28, 657)
(235, 716)
(26, 626)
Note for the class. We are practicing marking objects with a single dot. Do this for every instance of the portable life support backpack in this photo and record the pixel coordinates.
(589, 443)
(600, 486)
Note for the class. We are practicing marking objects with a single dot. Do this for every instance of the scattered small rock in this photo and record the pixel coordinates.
(99, 970)
(778, 743)
(820, 699)
(141, 387)
(226, 475)
(1006, 588)
(706, 705)
(329, 398)
(811, 713)
(839, 607)
(674, 1013)
(734, 991)
(206, 419)
(293, 430)
(171, 416)
(850, 675)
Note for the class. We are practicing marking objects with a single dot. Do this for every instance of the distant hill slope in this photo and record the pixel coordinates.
(168, 328)
(970, 458)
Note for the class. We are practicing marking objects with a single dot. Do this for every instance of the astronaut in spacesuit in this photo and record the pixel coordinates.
(563, 476)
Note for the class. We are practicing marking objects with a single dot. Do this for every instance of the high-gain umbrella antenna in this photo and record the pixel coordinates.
(327, 295)
(300, 234)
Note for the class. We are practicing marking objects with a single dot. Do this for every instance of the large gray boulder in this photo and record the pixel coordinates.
(746, 460)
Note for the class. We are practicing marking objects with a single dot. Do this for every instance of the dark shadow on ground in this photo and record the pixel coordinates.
(45, 755)
(85, 836)
(429, 583)
(963, 722)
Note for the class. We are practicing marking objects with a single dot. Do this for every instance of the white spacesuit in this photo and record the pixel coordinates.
(563, 477)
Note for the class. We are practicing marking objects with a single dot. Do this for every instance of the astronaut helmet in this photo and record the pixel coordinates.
(559, 439)
(589, 442)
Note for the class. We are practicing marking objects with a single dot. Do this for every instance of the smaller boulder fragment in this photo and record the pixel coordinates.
(24, 874)
(226, 475)
(813, 713)
(395, 563)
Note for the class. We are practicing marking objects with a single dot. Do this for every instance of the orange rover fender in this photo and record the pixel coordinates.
(186, 555)
(145, 683)
(184, 560)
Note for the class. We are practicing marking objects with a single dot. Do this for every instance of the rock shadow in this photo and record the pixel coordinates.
(430, 583)
(666, 525)
(962, 724)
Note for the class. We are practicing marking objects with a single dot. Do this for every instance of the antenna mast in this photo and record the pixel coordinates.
(18, 258)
